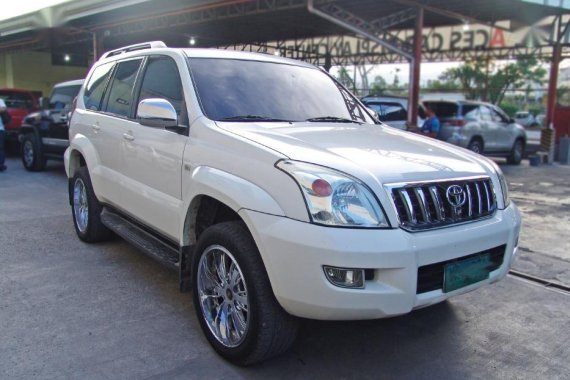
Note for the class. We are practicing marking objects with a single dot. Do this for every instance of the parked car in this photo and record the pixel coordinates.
(19, 103)
(525, 118)
(481, 127)
(391, 110)
(278, 202)
(533, 134)
(44, 134)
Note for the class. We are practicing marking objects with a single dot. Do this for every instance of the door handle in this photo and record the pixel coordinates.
(128, 136)
(96, 127)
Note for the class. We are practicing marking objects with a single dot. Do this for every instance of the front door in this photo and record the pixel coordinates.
(153, 161)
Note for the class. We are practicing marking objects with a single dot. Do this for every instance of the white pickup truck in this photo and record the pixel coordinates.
(276, 195)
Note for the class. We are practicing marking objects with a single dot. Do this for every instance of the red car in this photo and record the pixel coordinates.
(19, 103)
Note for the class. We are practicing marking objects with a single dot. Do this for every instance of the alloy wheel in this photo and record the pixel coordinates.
(80, 205)
(223, 296)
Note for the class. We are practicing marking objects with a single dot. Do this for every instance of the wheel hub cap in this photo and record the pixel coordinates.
(223, 296)
(80, 205)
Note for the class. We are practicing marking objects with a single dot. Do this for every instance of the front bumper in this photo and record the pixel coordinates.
(294, 254)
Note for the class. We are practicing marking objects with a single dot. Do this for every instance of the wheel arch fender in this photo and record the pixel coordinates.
(80, 148)
(233, 191)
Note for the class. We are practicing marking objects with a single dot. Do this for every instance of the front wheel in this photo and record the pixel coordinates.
(234, 300)
(517, 153)
(32, 156)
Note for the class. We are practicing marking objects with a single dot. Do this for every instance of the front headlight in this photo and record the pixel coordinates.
(334, 198)
(504, 186)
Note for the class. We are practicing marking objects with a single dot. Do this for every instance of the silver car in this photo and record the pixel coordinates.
(481, 127)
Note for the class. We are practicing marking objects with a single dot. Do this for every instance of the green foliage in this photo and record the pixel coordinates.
(536, 109)
(470, 77)
(379, 86)
(509, 107)
(563, 95)
(438, 85)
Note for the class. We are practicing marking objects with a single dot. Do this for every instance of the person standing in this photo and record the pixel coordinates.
(431, 125)
(4, 119)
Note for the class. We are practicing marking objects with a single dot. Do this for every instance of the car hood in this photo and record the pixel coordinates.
(387, 154)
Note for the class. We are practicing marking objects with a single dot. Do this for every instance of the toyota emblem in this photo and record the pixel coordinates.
(456, 196)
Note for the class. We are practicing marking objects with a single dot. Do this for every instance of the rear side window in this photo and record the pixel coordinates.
(443, 110)
(16, 99)
(121, 90)
(485, 113)
(389, 111)
(470, 111)
(61, 97)
(95, 88)
(162, 80)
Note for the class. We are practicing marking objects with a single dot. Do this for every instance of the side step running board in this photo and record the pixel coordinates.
(150, 244)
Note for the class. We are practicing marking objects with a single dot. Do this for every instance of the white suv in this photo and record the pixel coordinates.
(276, 196)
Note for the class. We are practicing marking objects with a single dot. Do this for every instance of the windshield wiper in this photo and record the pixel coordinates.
(251, 118)
(332, 119)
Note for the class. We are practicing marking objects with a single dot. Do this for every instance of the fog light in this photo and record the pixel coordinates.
(345, 277)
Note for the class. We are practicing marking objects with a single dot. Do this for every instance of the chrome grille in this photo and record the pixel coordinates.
(437, 204)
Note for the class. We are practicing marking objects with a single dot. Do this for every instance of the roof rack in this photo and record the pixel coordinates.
(142, 46)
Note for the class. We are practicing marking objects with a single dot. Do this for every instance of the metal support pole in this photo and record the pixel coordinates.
(552, 84)
(415, 63)
(97, 45)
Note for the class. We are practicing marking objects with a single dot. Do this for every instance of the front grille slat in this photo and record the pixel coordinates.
(423, 206)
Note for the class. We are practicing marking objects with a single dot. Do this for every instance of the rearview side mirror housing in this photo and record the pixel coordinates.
(157, 113)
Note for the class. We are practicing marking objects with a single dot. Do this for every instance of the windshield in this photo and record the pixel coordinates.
(61, 97)
(242, 90)
(16, 99)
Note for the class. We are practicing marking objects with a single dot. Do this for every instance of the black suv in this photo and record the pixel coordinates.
(44, 134)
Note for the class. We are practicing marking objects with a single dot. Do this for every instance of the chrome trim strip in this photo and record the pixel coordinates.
(409, 206)
(470, 205)
(55, 142)
(479, 200)
(423, 205)
(430, 182)
(439, 210)
(488, 196)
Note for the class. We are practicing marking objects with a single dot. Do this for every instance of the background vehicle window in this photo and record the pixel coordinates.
(61, 97)
(470, 111)
(443, 110)
(16, 100)
(162, 80)
(389, 111)
(94, 89)
(485, 113)
(121, 92)
(499, 116)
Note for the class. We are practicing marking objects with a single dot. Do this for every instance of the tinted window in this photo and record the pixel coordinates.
(230, 88)
(443, 109)
(470, 111)
(500, 116)
(161, 80)
(388, 111)
(16, 99)
(61, 97)
(485, 113)
(94, 89)
(121, 91)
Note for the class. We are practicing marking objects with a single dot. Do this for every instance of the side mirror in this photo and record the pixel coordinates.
(157, 113)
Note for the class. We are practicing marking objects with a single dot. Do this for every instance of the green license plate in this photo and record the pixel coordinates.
(466, 272)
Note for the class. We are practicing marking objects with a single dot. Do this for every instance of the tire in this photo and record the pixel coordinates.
(266, 329)
(32, 156)
(476, 146)
(517, 153)
(86, 209)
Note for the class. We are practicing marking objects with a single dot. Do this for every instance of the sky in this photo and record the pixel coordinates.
(13, 8)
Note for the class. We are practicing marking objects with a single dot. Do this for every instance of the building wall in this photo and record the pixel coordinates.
(34, 71)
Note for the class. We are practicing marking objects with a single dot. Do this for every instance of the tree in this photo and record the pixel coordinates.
(343, 77)
(470, 77)
(438, 85)
(525, 71)
(379, 86)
